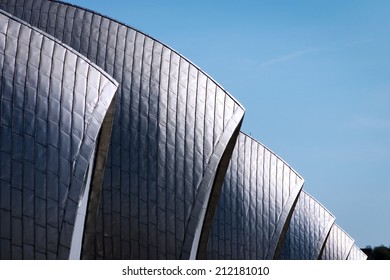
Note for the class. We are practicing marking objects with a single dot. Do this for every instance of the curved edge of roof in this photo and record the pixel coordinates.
(328, 227)
(327, 210)
(275, 154)
(106, 91)
(151, 37)
(73, 51)
(360, 251)
(279, 233)
(344, 232)
(348, 250)
(52, 38)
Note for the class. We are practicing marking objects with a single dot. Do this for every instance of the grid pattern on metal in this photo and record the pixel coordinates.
(52, 104)
(257, 195)
(338, 245)
(171, 127)
(356, 254)
(309, 226)
(173, 133)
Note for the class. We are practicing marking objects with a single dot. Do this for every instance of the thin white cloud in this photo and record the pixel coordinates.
(288, 57)
(293, 55)
(366, 122)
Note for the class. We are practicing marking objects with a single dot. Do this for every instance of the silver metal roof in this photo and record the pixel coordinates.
(53, 101)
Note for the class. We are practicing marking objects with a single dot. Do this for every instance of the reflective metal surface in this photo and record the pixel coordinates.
(256, 199)
(53, 102)
(158, 186)
(338, 245)
(309, 226)
(356, 254)
(171, 128)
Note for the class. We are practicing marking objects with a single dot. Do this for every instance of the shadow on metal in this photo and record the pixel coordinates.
(53, 102)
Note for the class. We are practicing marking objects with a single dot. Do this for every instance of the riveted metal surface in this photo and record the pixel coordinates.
(53, 102)
(171, 126)
(338, 245)
(356, 254)
(256, 198)
(309, 226)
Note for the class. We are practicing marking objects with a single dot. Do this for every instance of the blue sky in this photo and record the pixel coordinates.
(314, 79)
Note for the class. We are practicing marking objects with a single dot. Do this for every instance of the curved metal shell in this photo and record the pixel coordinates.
(356, 254)
(256, 200)
(308, 229)
(157, 178)
(338, 245)
(53, 102)
(173, 132)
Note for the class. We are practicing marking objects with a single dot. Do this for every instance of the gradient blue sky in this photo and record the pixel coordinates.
(314, 77)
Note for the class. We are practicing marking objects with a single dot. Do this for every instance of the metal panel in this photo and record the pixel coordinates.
(356, 254)
(256, 199)
(338, 245)
(309, 226)
(53, 102)
(168, 149)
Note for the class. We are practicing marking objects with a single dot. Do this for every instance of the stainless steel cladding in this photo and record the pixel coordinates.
(171, 128)
(53, 102)
(257, 198)
(356, 254)
(159, 166)
(338, 245)
(308, 229)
